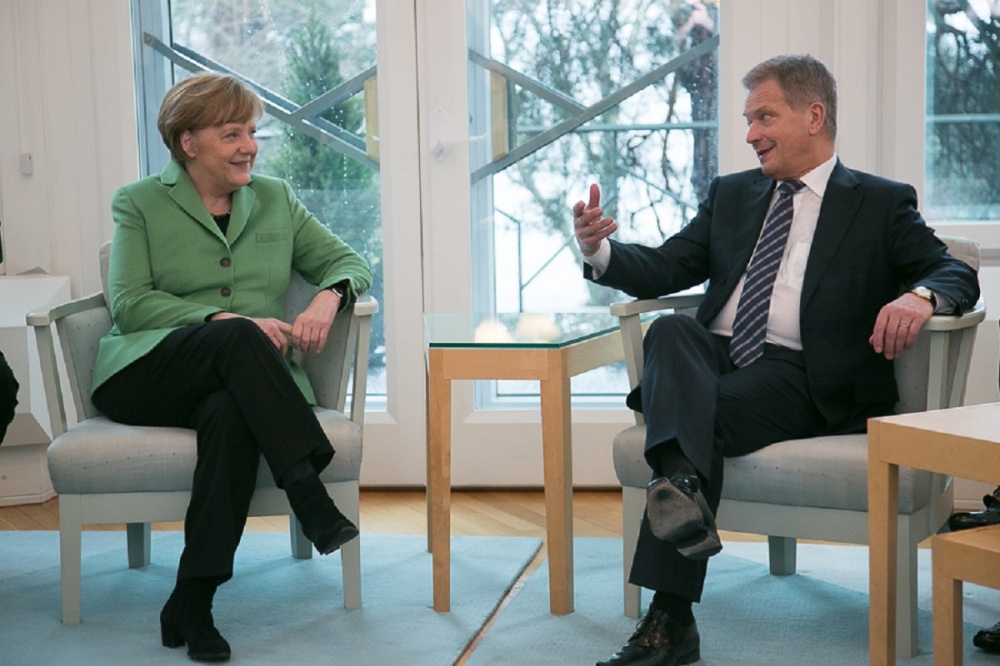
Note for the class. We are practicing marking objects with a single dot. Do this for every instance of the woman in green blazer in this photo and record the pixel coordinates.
(201, 259)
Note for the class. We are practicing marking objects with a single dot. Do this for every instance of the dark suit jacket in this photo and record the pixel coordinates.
(870, 242)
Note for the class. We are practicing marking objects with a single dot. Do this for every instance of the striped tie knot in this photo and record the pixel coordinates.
(750, 324)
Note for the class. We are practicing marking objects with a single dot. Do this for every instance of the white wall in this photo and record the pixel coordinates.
(67, 99)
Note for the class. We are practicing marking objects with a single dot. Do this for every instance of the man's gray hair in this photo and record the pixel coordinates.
(803, 80)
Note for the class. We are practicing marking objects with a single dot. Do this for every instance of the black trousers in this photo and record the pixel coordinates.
(8, 396)
(691, 393)
(227, 381)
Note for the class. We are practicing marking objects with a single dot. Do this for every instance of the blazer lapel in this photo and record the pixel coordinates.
(840, 204)
(183, 193)
(752, 210)
(243, 199)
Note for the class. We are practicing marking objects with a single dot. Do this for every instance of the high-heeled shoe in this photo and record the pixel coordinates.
(186, 619)
(322, 522)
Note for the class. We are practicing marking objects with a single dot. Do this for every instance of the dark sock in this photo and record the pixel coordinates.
(668, 459)
(678, 608)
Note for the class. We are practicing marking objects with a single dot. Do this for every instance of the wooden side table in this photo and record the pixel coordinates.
(972, 556)
(469, 346)
(963, 442)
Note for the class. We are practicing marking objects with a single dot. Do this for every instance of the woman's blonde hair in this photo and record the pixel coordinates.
(204, 100)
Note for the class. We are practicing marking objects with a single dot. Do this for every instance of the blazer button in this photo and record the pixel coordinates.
(225, 262)
(226, 291)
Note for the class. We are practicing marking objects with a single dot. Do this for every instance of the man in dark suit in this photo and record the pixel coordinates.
(829, 322)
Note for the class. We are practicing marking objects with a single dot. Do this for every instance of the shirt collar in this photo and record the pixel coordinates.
(817, 179)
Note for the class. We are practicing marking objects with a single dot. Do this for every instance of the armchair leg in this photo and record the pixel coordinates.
(138, 539)
(347, 496)
(633, 505)
(69, 556)
(781, 553)
(302, 548)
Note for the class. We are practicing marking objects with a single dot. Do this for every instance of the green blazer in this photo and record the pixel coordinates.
(171, 265)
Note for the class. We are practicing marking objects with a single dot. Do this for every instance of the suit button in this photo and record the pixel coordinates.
(226, 291)
(225, 262)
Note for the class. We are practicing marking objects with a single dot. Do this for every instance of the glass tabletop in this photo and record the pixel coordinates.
(548, 330)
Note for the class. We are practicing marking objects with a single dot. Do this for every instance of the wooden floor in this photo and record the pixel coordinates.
(486, 513)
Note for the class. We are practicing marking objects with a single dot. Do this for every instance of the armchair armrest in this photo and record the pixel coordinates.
(968, 319)
(947, 372)
(47, 316)
(42, 321)
(361, 325)
(675, 302)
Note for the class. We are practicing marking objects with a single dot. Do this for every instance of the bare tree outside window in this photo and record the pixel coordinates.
(963, 110)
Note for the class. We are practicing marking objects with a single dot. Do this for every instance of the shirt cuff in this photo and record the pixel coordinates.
(600, 260)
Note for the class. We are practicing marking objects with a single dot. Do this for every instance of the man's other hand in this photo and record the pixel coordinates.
(898, 325)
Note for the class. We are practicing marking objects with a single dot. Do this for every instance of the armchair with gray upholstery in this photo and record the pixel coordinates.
(817, 488)
(106, 472)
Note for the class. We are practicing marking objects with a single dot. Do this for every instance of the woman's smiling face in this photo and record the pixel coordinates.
(221, 157)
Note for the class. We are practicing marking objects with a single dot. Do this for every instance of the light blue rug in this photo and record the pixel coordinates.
(275, 611)
(747, 617)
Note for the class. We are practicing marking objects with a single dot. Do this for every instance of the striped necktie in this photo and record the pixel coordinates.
(750, 324)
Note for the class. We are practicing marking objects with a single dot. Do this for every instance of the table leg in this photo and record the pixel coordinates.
(947, 611)
(558, 457)
(439, 479)
(883, 506)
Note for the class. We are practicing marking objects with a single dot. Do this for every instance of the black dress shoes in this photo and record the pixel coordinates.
(678, 513)
(988, 516)
(988, 639)
(186, 619)
(659, 641)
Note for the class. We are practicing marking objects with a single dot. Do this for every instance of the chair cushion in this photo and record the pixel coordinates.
(100, 456)
(826, 472)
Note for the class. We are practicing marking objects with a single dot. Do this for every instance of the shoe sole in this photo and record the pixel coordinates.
(700, 547)
(342, 537)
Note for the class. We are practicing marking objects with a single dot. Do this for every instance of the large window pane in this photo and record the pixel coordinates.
(300, 53)
(568, 92)
(963, 110)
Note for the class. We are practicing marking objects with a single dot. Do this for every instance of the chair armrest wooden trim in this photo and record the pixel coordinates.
(42, 320)
(654, 304)
(361, 323)
(48, 316)
(951, 323)
(365, 306)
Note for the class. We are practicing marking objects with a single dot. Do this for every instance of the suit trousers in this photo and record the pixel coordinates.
(226, 380)
(692, 394)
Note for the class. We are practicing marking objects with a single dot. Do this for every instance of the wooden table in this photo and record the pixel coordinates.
(969, 555)
(551, 350)
(962, 442)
